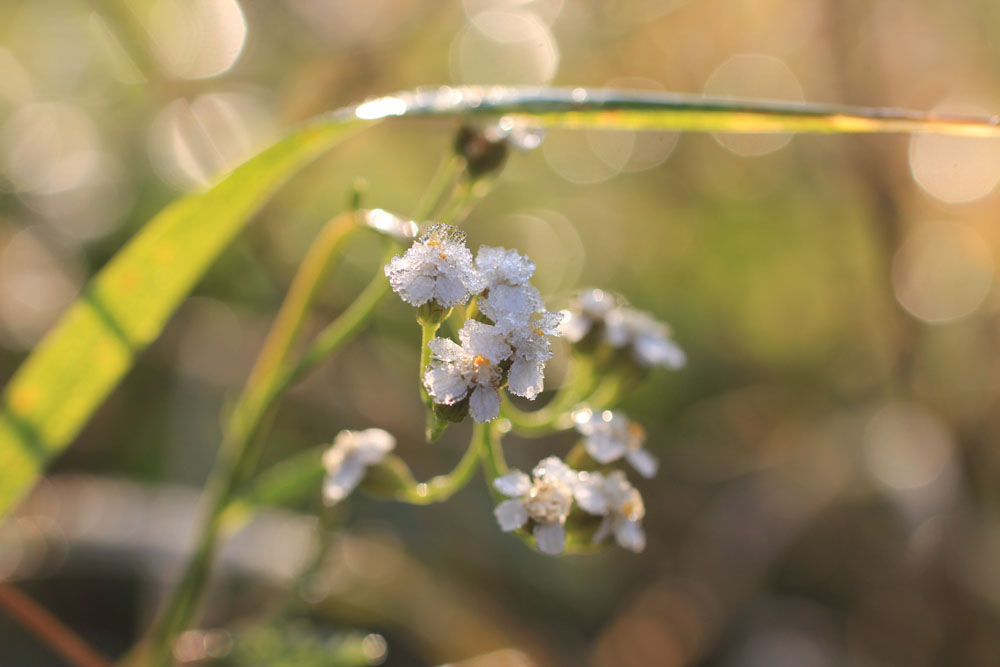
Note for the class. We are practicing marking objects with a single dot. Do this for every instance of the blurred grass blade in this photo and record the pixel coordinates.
(126, 306)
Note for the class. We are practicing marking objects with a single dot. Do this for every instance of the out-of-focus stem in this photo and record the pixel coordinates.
(49, 629)
(239, 444)
(555, 415)
(442, 487)
(491, 451)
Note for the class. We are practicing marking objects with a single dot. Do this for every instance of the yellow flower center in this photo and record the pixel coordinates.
(480, 361)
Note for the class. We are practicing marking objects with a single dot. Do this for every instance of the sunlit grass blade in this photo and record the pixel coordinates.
(646, 110)
(125, 307)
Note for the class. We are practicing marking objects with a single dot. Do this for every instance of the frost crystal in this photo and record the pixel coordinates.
(348, 459)
(545, 498)
(500, 266)
(468, 370)
(608, 436)
(437, 267)
(614, 498)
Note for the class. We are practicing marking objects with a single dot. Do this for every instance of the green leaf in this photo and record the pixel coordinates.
(128, 303)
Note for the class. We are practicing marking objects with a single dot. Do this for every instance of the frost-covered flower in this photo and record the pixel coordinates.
(500, 266)
(648, 338)
(437, 267)
(532, 348)
(614, 498)
(349, 457)
(608, 436)
(519, 312)
(545, 498)
(468, 370)
(586, 312)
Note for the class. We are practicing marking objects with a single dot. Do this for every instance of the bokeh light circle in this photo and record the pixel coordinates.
(942, 272)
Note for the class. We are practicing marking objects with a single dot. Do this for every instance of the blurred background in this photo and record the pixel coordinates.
(830, 479)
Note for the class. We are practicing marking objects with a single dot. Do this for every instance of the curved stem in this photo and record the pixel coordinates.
(239, 444)
(554, 416)
(442, 487)
(491, 451)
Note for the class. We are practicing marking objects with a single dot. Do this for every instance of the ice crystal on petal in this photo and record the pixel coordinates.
(349, 457)
(500, 266)
(437, 267)
(468, 370)
(614, 498)
(609, 436)
(545, 498)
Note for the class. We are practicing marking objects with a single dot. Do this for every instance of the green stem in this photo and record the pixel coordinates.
(428, 330)
(554, 416)
(346, 325)
(442, 487)
(240, 444)
(491, 450)
(442, 185)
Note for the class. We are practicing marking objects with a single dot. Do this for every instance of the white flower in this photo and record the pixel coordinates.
(530, 342)
(519, 312)
(586, 312)
(349, 457)
(648, 338)
(614, 498)
(608, 436)
(623, 326)
(500, 266)
(437, 267)
(468, 370)
(546, 498)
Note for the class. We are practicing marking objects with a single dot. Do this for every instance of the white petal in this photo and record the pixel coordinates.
(575, 326)
(479, 338)
(589, 493)
(484, 404)
(445, 384)
(550, 538)
(604, 449)
(526, 378)
(604, 530)
(511, 305)
(511, 515)
(630, 535)
(446, 349)
(514, 484)
(450, 290)
(644, 462)
(373, 444)
(659, 351)
(342, 480)
(553, 466)
(500, 265)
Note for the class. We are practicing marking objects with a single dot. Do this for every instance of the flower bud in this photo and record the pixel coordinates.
(483, 152)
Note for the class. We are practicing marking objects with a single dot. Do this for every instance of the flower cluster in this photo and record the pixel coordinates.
(507, 344)
(598, 316)
(547, 497)
(349, 458)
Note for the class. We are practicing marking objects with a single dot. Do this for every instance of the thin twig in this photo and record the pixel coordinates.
(49, 629)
